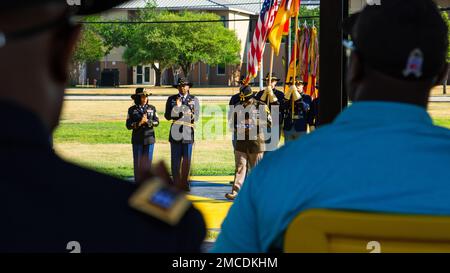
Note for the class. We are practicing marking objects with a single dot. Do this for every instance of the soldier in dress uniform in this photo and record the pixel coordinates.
(274, 98)
(250, 117)
(313, 117)
(233, 101)
(142, 119)
(183, 110)
(297, 109)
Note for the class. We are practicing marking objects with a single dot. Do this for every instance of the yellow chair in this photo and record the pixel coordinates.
(318, 231)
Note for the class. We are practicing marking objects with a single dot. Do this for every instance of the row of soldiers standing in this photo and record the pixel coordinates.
(183, 111)
(269, 112)
(291, 112)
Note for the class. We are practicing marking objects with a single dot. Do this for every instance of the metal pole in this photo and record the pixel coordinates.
(344, 94)
(445, 83)
(261, 70)
(289, 44)
(331, 60)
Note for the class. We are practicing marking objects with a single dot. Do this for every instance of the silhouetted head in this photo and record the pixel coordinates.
(37, 39)
(399, 51)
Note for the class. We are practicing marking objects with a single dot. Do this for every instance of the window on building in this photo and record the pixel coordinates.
(147, 74)
(221, 69)
(139, 74)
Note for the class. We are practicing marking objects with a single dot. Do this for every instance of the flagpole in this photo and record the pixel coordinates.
(295, 47)
(270, 71)
(289, 45)
(261, 70)
(295, 57)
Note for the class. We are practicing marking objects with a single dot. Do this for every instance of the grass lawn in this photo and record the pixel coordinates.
(442, 122)
(93, 134)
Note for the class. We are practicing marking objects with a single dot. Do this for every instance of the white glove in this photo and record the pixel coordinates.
(266, 93)
(296, 95)
(271, 95)
(290, 91)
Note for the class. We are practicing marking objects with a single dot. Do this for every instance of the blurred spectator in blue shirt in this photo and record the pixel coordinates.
(382, 154)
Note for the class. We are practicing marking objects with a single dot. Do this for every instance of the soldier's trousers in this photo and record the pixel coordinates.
(181, 154)
(244, 163)
(142, 158)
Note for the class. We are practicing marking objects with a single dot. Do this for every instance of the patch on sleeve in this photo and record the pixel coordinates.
(159, 200)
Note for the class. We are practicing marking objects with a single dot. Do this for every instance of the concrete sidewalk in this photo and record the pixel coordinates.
(201, 98)
(127, 98)
(440, 99)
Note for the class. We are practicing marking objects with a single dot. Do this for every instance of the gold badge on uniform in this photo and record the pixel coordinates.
(157, 199)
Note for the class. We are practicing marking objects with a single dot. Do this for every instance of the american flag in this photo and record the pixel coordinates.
(265, 23)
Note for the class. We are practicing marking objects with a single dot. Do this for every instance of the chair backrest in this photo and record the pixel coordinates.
(331, 231)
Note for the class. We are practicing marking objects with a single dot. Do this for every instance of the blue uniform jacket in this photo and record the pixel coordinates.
(144, 134)
(301, 114)
(183, 118)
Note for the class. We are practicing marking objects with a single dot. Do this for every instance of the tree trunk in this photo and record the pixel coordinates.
(445, 82)
(158, 73)
(74, 73)
(186, 70)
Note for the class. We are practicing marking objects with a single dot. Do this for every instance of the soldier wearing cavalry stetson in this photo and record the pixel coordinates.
(142, 119)
(183, 110)
(250, 118)
(297, 110)
(274, 98)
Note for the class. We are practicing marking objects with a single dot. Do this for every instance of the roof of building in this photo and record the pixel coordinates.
(251, 7)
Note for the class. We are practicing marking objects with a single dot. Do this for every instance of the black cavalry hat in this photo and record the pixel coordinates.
(141, 91)
(182, 82)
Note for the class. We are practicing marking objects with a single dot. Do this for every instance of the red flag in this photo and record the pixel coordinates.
(264, 25)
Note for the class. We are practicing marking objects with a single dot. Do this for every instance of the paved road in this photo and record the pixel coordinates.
(201, 98)
(440, 99)
(127, 98)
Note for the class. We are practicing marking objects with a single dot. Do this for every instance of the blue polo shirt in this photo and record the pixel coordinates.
(376, 156)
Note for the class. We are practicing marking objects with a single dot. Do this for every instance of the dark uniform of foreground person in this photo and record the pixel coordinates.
(142, 119)
(382, 154)
(249, 118)
(183, 110)
(313, 117)
(48, 204)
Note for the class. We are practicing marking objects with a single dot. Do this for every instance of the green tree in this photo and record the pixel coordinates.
(210, 43)
(172, 44)
(90, 48)
(310, 12)
(447, 20)
(150, 43)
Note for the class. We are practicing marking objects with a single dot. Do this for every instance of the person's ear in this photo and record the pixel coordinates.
(63, 44)
(442, 75)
